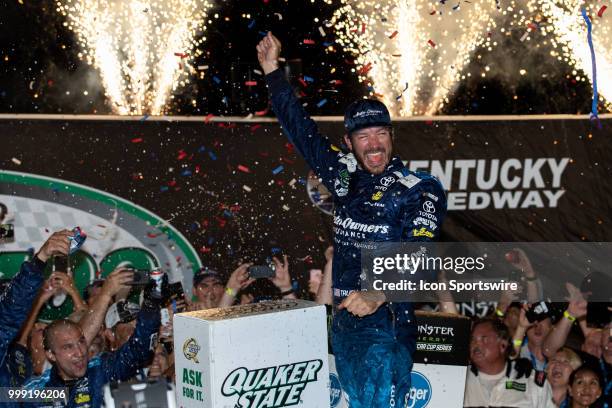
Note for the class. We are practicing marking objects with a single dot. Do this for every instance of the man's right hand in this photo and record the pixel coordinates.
(57, 244)
(116, 281)
(268, 51)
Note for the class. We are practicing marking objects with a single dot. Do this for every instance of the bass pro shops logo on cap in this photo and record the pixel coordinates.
(366, 113)
(420, 391)
(191, 349)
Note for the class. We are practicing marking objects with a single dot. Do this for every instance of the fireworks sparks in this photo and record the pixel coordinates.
(420, 43)
(142, 49)
(427, 44)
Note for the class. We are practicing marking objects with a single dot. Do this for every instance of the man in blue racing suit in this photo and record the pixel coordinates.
(376, 199)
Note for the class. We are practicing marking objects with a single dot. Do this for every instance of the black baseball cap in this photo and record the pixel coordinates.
(365, 113)
(206, 273)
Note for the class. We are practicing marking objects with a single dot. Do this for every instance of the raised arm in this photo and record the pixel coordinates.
(324, 294)
(301, 130)
(92, 321)
(17, 299)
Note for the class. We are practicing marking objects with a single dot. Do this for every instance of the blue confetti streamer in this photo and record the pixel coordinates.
(144, 118)
(594, 114)
(308, 79)
(252, 24)
(216, 79)
(321, 102)
(212, 155)
(163, 189)
(186, 173)
(278, 170)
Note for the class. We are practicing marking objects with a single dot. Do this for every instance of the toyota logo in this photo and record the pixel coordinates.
(429, 207)
(387, 181)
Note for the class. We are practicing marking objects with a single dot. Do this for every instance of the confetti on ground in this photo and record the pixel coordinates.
(16, 161)
(601, 11)
(392, 36)
(278, 169)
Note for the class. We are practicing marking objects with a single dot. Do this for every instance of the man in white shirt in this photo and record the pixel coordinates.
(495, 381)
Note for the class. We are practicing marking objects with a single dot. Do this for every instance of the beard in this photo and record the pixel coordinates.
(375, 160)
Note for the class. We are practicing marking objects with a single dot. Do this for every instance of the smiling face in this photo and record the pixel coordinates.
(560, 368)
(372, 147)
(585, 389)
(68, 351)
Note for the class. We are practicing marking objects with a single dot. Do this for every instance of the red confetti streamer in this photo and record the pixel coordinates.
(137, 140)
(243, 169)
(601, 11)
(181, 155)
(433, 44)
(250, 83)
(208, 117)
(392, 36)
(304, 83)
(255, 127)
(309, 41)
(363, 26)
(431, 13)
(365, 69)
(261, 113)
(180, 54)
(205, 250)
(153, 235)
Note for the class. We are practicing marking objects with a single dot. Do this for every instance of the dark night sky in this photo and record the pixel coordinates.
(38, 56)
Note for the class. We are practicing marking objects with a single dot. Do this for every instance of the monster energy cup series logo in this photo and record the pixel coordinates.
(270, 387)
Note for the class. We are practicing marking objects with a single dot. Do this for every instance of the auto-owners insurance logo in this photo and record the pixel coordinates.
(191, 349)
(271, 387)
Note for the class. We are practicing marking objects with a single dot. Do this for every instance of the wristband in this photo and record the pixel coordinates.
(535, 278)
(499, 312)
(517, 342)
(230, 292)
(568, 316)
(287, 292)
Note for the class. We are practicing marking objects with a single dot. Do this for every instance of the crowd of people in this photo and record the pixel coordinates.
(521, 355)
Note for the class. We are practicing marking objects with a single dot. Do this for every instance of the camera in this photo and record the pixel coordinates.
(7, 231)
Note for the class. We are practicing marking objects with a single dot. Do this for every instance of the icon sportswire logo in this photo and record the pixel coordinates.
(271, 387)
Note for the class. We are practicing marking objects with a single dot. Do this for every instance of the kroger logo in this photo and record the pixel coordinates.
(335, 390)
(420, 391)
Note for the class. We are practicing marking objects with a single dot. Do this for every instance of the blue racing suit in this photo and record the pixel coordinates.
(121, 365)
(373, 353)
(15, 304)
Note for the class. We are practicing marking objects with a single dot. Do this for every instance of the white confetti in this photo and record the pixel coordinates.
(247, 188)
(16, 161)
